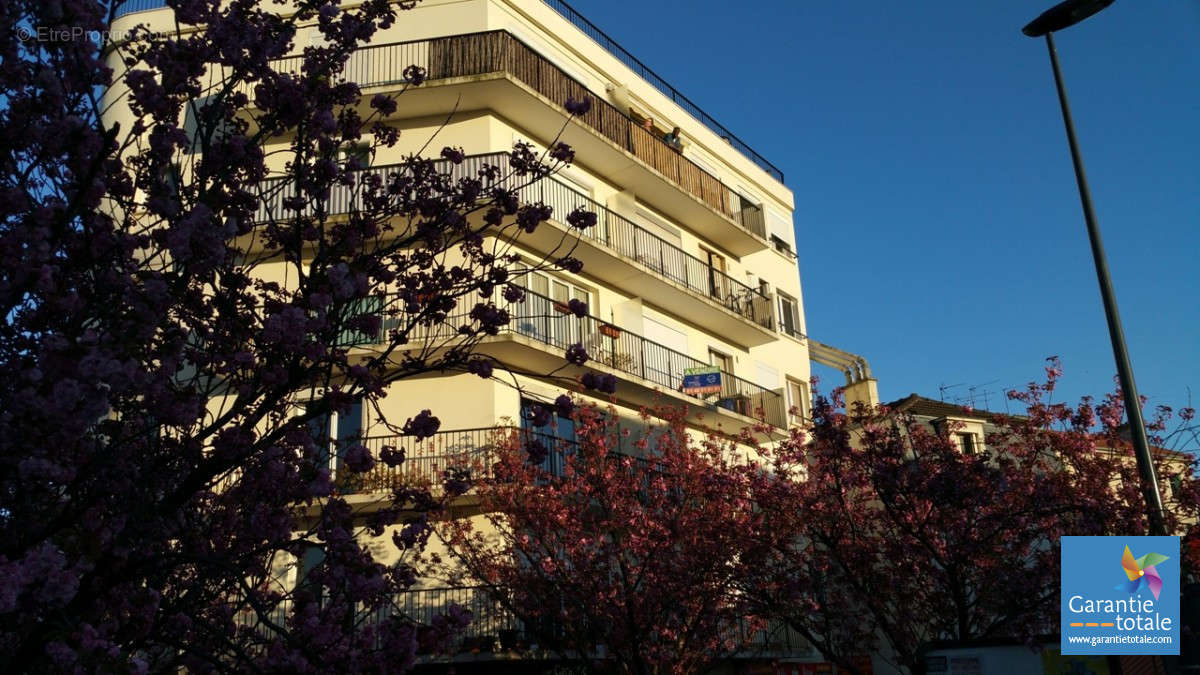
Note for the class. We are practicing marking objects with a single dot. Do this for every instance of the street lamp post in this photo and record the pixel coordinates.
(1057, 18)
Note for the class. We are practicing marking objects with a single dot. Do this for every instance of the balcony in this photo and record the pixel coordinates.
(496, 71)
(601, 38)
(472, 452)
(131, 6)
(643, 71)
(427, 462)
(496, 633)
(644, 265)
(541, 330)
(618, 251)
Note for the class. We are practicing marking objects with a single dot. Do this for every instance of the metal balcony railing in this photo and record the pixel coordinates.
(612, 230)
(131, 6)
(614, 48)
(543, 319)
(551, 323)
(666, 259)
(464, 452)
(643, 71)
(499, 52)
(494, 628)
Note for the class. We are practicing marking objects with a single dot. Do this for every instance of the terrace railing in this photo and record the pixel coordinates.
(614, 48)
(494, 628)
(643, 71)
(545, 320)
(612, 230)
(499, 52)
(131, 6)
(463, 453)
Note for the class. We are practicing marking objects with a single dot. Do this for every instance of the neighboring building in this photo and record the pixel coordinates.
(969, 428)
(692, 263)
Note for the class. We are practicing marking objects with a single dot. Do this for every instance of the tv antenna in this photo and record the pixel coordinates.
(943, 388)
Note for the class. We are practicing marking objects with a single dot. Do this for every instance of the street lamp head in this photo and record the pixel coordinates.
(1064, 15)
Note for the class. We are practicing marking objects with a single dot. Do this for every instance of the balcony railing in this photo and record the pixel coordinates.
(664, 258)
(499, 52)
(551, 323)
(498, 629)
(614, 231)
(131, 6)
(623, 55)
(643, 71)
(495, 629)
(464, 452)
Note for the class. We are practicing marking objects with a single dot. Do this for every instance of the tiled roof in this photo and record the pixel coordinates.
(914, 404)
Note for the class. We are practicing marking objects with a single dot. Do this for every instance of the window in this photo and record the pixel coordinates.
(360, 152)
(544, 315)
(966, 443)
(317, 39)
(723, 361)
(731, 396)
(333, 432)
(797, 400)
(789, 315)
(172, 178)
(750, 215)
(718, 280)
(203, 128)
(783, 234)
(557, 435)
(351, 335)
(782, 246)
(664, 366)
(654, 245)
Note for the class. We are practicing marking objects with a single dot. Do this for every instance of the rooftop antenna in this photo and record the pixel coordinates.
(971, 395)
(943, 388)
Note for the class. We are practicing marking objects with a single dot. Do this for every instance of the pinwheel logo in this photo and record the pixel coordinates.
(1142, 572)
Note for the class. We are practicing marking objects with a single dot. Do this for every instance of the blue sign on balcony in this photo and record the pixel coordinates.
(702, 380)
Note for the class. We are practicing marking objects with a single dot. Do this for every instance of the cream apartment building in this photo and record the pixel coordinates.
(692, 262)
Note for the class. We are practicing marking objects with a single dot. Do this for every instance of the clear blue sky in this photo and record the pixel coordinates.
(937, 219)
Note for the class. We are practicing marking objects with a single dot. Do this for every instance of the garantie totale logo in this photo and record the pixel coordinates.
(1141, 571)
(1098, 618)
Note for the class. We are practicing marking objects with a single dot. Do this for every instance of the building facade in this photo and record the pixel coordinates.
(692, 263)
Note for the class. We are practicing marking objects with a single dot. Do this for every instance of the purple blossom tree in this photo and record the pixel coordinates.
(157, 464)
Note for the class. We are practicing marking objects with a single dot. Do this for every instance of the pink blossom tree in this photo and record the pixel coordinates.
(155, 466)
(626, 560)
(902, 539)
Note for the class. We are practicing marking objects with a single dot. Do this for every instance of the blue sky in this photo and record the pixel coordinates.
(938, 224)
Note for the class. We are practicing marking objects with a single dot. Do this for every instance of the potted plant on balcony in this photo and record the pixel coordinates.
(609, 330)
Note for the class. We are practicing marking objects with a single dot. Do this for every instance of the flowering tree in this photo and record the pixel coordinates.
(903, 538)
(158, 465)
(621, 561)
